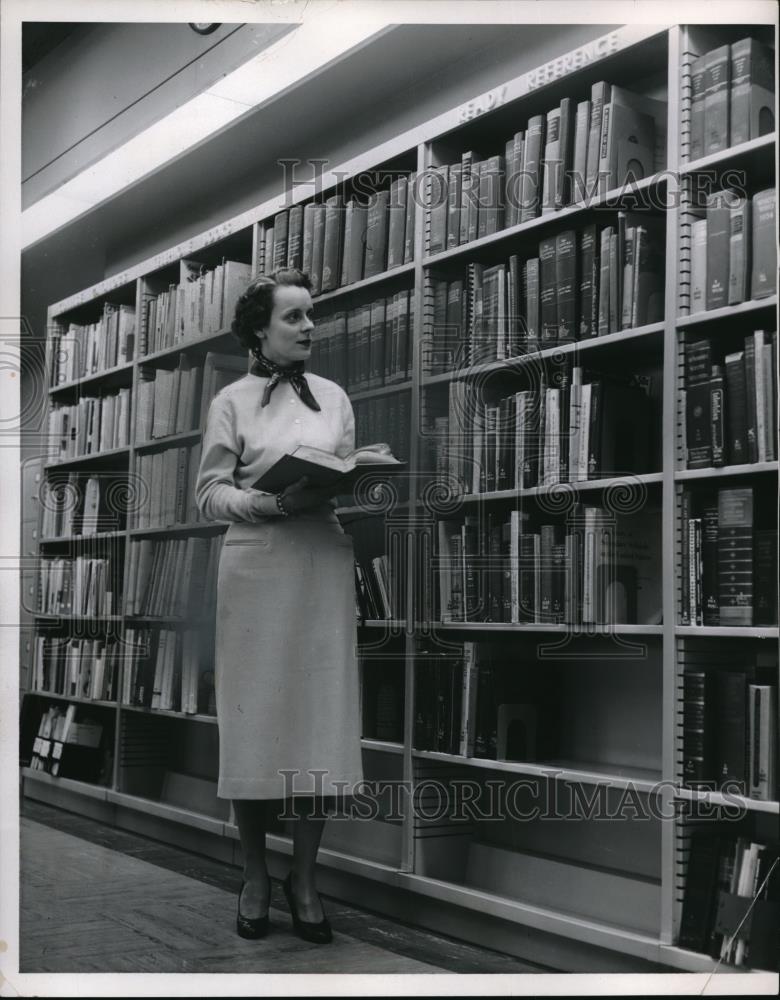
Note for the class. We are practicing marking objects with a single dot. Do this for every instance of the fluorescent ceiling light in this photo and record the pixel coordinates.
(312, 45)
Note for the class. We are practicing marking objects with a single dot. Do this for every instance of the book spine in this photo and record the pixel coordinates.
(735, 556)
(717, 416)
(716, 100)
(548, 293)
(763, 281)
(739, 251)
(566, 285)
(710, 605)
(698, 76)
(736, 416)
(718, 236)
(752, 111)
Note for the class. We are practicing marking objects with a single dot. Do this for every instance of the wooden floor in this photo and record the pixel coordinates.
(96, 899)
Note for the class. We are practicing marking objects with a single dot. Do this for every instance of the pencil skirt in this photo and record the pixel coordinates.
(286, 672)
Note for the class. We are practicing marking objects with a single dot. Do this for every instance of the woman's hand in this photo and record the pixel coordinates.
(301, 496)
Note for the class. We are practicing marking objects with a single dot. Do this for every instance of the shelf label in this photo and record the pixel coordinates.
(481, 105)
(599, 48)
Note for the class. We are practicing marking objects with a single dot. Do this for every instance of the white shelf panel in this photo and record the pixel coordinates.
(98, 456)
(99, 536)
(208, 341)
(718, 798)
(358, 286)
(762, 143)
(72, 698)
(694, 961)
(381, 745)
(181, 437)
(641, 779)
(576, 630)
(162, 810)
(726, 632)
(63, 387)
(644, 478)
(748, 468)
(727, 312)
(650, 336)
(170, 714)
(68, 784)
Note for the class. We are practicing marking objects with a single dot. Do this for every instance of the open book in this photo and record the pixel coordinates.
(324, 468)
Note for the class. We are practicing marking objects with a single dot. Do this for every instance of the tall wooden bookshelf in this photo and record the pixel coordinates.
(539, 887)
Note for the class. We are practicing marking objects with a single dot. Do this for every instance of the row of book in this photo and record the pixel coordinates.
(81, 585)
(168, 401)
(570, 153)
(366, 347)
(545, 436)
(167, 480)
(57, 729)
(598, 568)
(724, 868)
(728, 571)
(173, 577)
(83, 505)
(94, 424)
(89, 349)
(730, 733)
(732, 96)
(337, 244)
(167, 669)
(77, 667)
(383, 695)
(733, 250)
(584, 283)
(378, 590)
(385, 418)
(730, 406)
(202, 303)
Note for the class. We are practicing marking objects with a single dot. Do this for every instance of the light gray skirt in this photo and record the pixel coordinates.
(286, 672)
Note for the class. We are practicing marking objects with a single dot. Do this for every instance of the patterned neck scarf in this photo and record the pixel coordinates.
(275, 373)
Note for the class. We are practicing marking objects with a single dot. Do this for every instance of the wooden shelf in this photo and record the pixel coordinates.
(93, 459)
(99, 536)
(644, 478)
(68, 784)
(640, 779)
(748, 469)
(570, 213)
(64, 387)
(648, 337)
(72, 698)
(358, 286)
(48, 616)
(200, 345)
(382, 746)
(575, 630)
(725, 631)
(380, 390)
(179, 529)
(728, 312)
(732, 800)
(181, 437)
(750, 149)
(170, 714)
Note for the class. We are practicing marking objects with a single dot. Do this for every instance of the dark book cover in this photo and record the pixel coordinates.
(473, 583)
(766, 577)
(710, 600)
(740, 247)
(531, 302)
(376, 235)
(599, 96)
(604, 279)
(577, 190)
(516, 332)
(548, 295)
(701, 886)
(494, 574)
(718, 416)
(567, 284)
(698, 371)
(751, 407)
(530, 197)
(281, 228)
(736, 409)
(318, 247)
(355, 221)
(399, 191)
(588, 241)
(527, 570)
(698, 75)
(295, 237)
(735, 556)
(698, 728)
(376, 348)
(716, 100)
(763, 281)
(686, 506)
(491, 201)
(563, 187)
(334, 234)
(307, 238)
(411, 205)
(752, 107)
(718, 237)
(731, 761)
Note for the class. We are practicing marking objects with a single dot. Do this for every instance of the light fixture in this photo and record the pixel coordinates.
(204, 29)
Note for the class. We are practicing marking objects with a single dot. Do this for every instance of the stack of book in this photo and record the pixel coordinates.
(366, 347)
(573, 152)
(723, 866)
(83, 668)
(731, 407)
(730, 732)
(204, 303)
(733, 250)
(599, 568)
(385, 418)
(539, 437)
(168, 401)
(87, 758)
(167, 479)
(379, 590)
(90, 426)
(86, 350)
(728, 566)
(337, 244)
(164, 670)
(79, 586)
(733, 96)
(81, 505)
(583, 283)
(172, 578)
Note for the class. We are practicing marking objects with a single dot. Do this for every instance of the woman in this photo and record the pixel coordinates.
(286, 671)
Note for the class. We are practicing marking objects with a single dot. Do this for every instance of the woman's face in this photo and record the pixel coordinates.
(287, 338)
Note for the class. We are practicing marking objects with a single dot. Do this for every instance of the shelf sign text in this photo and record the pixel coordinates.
(574, 60)
(480, 105)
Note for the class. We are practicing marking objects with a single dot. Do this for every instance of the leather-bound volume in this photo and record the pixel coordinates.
(566, 285)
(698, 75)
(752, 107)
(763, 282)
(548, 295)
(295, 237)
(716, 100)
(399, 191)
(735, 556)
(334, 235)
(281, 230)
(599, 96)
(376, 234)
(439, 177)
(589, 270)
(355, 220)
(718, 237)
(740, 245)
(318, 247)
(532, 168)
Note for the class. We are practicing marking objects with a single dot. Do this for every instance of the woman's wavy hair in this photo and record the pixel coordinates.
(254, 307)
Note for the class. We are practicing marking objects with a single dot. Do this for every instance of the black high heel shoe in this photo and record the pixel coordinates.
(318, 933)
(252, 928)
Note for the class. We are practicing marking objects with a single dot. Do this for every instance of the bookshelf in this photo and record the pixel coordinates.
(614, 691)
